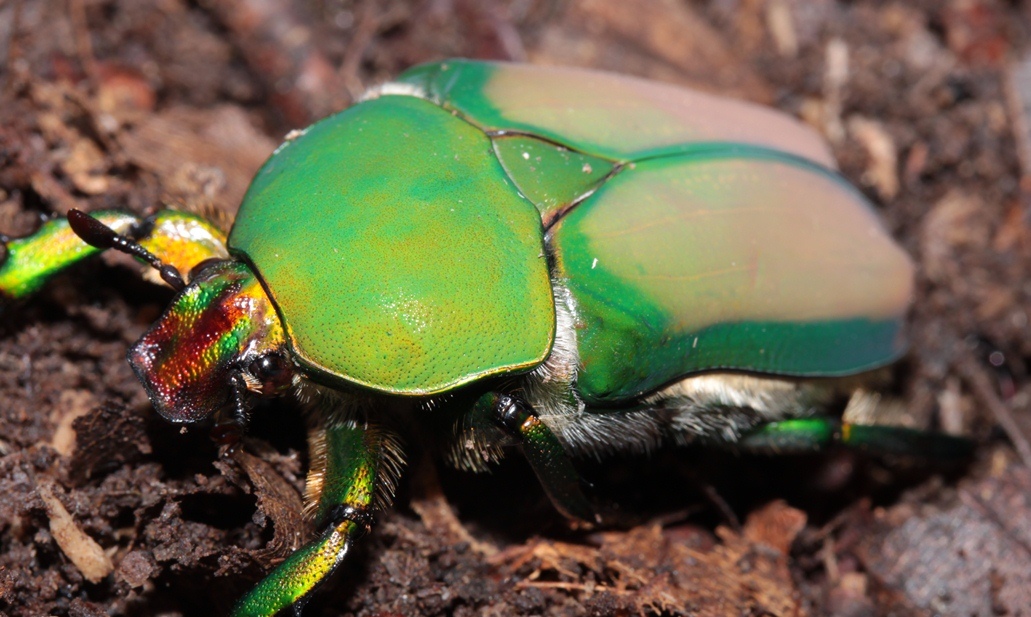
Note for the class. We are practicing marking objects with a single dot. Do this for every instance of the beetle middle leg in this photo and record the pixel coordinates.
(353, 472)
(547, 457)
(488, 422)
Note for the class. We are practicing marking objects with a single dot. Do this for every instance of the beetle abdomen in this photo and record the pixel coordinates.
(735, 259)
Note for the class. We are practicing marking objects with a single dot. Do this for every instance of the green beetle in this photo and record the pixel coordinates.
(569, 261)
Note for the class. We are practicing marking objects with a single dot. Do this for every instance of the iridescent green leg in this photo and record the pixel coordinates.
(548, 458)
(29, 262)
(353, 473)
(810, 434)
(178, 239)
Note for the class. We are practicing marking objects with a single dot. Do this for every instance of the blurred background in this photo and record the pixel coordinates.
(137, 104)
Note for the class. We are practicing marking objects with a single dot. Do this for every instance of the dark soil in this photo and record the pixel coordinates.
(138, 103)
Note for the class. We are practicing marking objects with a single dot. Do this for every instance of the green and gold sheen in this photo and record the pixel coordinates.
(606, 115)
(400, 244)
(723, 241)
(398, 252)
(747, 260)
(551, 177)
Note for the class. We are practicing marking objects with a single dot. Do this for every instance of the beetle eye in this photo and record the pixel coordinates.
(273, 371)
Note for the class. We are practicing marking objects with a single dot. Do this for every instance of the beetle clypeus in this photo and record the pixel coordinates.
(572, 262)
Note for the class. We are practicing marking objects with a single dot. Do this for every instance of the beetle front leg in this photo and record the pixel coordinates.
(27, 263)
(178, 240)
(547, 456)
(353, 473)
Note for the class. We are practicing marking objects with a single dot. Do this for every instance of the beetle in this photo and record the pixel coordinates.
(570, 262)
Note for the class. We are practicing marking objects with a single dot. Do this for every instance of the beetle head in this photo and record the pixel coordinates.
(220, 331)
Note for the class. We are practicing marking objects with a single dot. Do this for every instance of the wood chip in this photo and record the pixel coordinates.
(965, 556)
(278, 500)
(882, 169)
(82, 550)
(776, 525)
(835, 77)
(73, 405)
(781, 25)
(205, 157)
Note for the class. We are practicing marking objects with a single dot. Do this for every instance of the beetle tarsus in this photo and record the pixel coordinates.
(172, 242)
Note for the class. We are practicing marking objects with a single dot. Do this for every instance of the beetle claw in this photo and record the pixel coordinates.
(228, 436)
(228, 443)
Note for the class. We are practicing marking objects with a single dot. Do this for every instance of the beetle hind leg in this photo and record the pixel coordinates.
(870, 422)
(353, 473)
(811, 434)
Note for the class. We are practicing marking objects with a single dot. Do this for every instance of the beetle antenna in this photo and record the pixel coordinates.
(99, 235)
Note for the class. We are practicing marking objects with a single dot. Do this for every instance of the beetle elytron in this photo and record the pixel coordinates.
(568, 261)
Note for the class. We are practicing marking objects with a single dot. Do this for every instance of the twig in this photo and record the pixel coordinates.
(976, 503)
(13, 48)
(830, 559)
(367, 27)
(585, 587)
(978, 381)
(835, 77)
(370, 22)
(275, 39)
(507, 34)
(83, 45)
(722, 506)
(716, 500)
